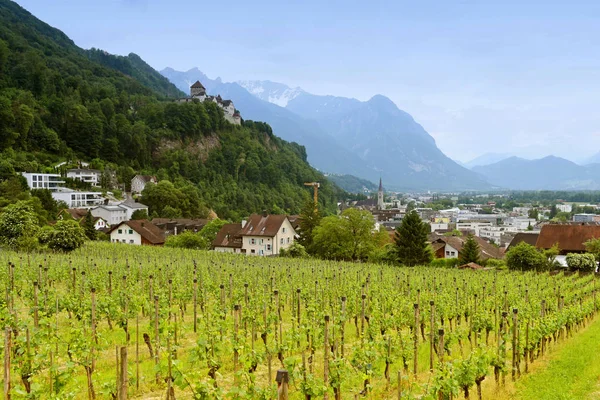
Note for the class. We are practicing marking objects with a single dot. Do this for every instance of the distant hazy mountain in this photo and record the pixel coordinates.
(352, 184)
(487, 159)
(345, 136)
(548, 173)
(595, 159)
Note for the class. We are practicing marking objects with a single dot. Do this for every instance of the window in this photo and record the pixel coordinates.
(288, 240)
(131, 241)
(261, 241)
(268, 247)
(252, 251)
(281, 241)
(120, 231)
(131, 231)
(252, 241)
(123, 240)
(447, 253)
(283, 230)
(261, 252)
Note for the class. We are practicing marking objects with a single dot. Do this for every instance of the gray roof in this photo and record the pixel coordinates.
(133, 204)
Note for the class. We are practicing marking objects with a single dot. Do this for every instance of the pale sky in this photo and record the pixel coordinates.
(519, 77)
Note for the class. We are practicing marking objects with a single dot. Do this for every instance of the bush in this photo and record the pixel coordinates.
(581, 262)
(296, 250)
(66, 236)
(19, 226)
(494, 263)
(525, 257)
(187, 240)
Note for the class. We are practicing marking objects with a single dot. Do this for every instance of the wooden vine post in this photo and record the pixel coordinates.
(441, 345)
(35, 305)
(195, 305)
(416, 340)
(326, 357)
(7, 353)
(431, 334)
(282, 378)
(515, 321)
(156, 338)
(124, 377)
(236, 310)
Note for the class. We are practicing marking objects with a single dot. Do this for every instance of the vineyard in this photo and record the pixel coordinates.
(116, 322)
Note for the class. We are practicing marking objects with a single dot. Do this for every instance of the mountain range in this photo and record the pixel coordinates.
(368, 139)
(548, 173)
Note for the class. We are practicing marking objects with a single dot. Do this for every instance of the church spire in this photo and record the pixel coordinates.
(380, 185)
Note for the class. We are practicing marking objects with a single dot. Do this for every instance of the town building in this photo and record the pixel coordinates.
(80, 214)
(113, 215)
(228, 239)
(451, 247)
(570, 238)
(132, 206)
(52, 182)
(266, 234)
(76, 199)
(139, 182)
(175, 226)
(138, 233)
(91, 176)
(585, 217)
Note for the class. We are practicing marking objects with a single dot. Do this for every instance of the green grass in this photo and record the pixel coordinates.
(573, 373)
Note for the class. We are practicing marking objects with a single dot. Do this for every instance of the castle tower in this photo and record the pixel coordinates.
(380, 205)
(197, 90)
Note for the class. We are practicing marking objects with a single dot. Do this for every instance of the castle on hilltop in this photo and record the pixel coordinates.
(198, 92)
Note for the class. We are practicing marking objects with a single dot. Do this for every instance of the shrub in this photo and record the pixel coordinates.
(66, 236)
(581, 262)
(526, 257)
(296, 250)
(187, 240)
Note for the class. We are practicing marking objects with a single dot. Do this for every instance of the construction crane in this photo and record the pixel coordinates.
(316, 186)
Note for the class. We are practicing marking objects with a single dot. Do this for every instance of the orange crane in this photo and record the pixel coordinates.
(316, 186)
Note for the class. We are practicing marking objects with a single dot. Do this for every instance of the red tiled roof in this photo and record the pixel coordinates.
(486, 249)
(229, 236)
(569, 237)
(529, 238)
(259, 225)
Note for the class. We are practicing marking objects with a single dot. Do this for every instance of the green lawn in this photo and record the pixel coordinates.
(573, 372)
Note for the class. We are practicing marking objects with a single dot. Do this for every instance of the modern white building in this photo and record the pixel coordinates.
(564, 208)
(131, 206)
(75, 199)
(52, 182)
(113, 215)
(91, 176)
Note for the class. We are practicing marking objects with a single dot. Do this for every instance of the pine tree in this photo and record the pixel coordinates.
(470, 251)
(411, 241)
(88, 226)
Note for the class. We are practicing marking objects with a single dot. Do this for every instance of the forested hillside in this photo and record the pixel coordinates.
(60, 102)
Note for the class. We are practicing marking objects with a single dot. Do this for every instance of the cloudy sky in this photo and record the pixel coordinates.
(519, 77)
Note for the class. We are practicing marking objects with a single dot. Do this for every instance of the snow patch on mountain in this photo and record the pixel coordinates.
(273, 92)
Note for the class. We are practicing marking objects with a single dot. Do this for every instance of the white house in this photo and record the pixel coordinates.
(474, 226)
(564, 207)
(138, 233)
(75, 199)
(131, 206)
(266, 235)
(113, 215)
(91, 176)
(138, 183)
(52, 182)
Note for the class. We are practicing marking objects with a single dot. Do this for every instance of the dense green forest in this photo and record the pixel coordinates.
(60, 102)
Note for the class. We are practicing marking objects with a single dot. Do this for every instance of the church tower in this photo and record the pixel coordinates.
(380, 205)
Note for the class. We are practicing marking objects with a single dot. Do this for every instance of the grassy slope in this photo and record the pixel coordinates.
(573, 372)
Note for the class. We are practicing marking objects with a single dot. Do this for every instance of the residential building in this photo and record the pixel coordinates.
(75, 199)
(228, 239)
(583, 217)
(138, 183)
(451, 247)
(520, 223)
(266, 234)
(175, 226)
(132, 206)
(91, 176)
(80, 214)
(570, 238)
(526, 237)
(472, 226)
(564, 208)
(138, 233)
(113, 215)
(52, 182)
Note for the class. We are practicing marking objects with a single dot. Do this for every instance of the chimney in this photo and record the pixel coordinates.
(175, 230)
(264, 213)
